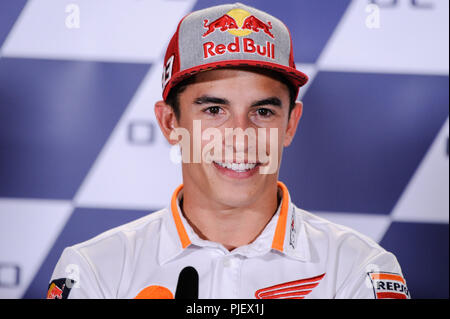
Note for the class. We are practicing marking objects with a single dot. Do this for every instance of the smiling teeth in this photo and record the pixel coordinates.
(241, 167)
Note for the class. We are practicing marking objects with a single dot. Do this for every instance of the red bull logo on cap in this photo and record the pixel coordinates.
(240, 23)
(237, 22)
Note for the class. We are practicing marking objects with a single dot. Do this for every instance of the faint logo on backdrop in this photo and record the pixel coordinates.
(419, 4)
(72, 20)
(373, 20)
(141, 132)
(373, 17)
(9, 275)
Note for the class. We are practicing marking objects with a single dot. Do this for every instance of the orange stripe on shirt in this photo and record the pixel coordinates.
(280, 230)
(391, 295)
(383, 276)
(184, 238)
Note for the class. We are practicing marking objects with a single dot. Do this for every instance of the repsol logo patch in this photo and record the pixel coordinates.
(389, 285)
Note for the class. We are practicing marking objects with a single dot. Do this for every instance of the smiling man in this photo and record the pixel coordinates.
(230, 231)
(230, 200)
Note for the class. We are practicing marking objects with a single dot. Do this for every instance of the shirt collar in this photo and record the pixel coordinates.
(284, 233)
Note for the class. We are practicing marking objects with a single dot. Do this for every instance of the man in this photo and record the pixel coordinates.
(230, 231)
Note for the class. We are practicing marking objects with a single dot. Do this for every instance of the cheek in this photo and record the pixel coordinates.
(210, 145)
(270, 140)
(216, 121)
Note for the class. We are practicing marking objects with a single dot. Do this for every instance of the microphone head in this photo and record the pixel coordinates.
(187, 286)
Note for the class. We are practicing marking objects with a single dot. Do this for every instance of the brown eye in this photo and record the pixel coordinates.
(212, 110)
(264, 112)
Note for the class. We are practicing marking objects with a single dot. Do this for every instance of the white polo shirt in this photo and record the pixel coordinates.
(298, 255)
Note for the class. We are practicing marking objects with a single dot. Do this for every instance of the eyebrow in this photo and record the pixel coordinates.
(206, 99)
(269, 101)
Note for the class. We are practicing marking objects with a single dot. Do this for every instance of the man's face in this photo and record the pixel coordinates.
(228, 166)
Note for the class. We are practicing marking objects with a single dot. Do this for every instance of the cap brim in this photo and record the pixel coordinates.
(294, 76)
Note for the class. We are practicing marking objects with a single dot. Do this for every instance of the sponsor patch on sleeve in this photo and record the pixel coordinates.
(60, 288)
(389, 285)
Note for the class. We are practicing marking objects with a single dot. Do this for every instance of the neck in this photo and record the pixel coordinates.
(231, 226)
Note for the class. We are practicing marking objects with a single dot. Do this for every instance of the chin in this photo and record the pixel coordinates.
(232, 198)
(237, 192)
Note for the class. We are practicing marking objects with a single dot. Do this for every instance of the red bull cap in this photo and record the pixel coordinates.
(230, 35)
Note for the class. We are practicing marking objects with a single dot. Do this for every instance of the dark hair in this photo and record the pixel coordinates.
(173, 98)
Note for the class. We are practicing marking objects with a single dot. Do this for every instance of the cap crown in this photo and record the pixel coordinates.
(229, 35)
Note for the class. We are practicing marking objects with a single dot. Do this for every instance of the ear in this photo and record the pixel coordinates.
(166, 119)
(296, 114)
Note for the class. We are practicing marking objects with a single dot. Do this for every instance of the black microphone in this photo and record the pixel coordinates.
(187, 286)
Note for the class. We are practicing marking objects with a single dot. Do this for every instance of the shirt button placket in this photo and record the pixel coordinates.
(231, 266)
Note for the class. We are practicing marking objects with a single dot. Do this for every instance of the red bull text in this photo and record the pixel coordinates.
(248, 46)
(241, 27)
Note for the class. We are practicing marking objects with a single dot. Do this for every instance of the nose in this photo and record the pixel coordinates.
(240, 138)
(240, 120)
